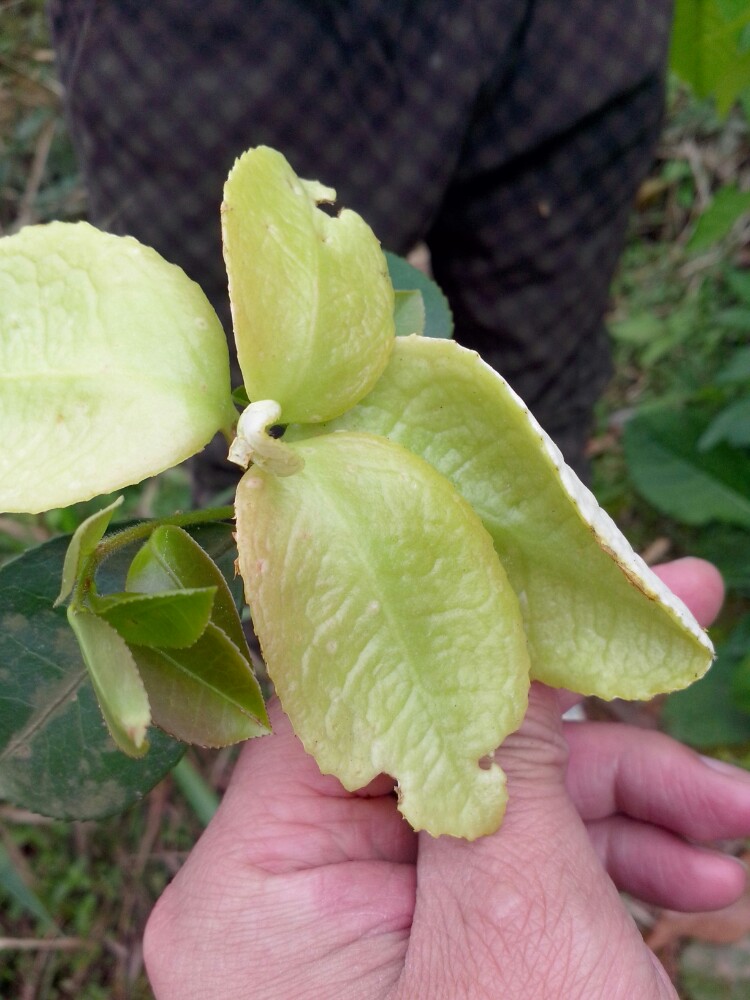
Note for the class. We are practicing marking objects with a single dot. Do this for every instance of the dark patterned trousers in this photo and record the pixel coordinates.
(510, 135)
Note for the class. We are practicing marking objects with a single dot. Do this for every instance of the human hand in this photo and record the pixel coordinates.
(300, 889)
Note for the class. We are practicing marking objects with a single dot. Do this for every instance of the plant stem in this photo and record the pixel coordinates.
(126, 536)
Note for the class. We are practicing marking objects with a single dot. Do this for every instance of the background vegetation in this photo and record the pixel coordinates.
(671, 457)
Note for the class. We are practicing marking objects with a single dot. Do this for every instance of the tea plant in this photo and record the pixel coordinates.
(414, 550)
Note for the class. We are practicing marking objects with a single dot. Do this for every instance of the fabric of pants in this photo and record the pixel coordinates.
(509, 135)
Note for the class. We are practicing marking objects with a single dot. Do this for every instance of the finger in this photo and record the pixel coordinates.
(650, 777)
(289, 816)
(486, 911)
(697, 583)
(660, 868)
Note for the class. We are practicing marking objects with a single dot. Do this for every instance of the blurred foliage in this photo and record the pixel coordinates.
(711, 48)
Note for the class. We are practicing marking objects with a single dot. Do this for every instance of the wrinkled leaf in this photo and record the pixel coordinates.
(113, 366)
(85, 539)
(176, 619)
(438, 320)
(597, 620)
(669, 470)
(388, 626)
(314, 323)
(206, 694)
(118, 686)
(56, 755)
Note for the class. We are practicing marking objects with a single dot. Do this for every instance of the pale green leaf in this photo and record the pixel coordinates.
(388, 625)
(114, 675)
(113, 366)
(597, 620)
(312, 302)
(85, 539)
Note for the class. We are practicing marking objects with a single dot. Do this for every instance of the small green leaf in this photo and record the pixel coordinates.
(172, 560)
(85, 539)
(207, 694)
(408, 313)
(438, 320)
(113, 366)
(388, 625)
(669, 470)
(118, 686)
(731, 425)
(718, 220)
(313, 324)
(175, 619)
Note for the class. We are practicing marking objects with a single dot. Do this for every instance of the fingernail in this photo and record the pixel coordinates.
(738, 773)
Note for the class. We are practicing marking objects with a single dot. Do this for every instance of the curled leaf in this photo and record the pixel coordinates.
(118, 686)
(312, 302)
(597, 619)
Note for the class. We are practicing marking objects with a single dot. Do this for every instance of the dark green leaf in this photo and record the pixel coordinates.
(719, 218)
(85, 539)
(728, 549)
(438, 315)
(705, 715)
(56, 756)
(737, 368)
(731, 425)
(176, 619)
(408, 313)
(661, 448)
(207, 694)
(240, 397)
(741, 684)
(739, 283)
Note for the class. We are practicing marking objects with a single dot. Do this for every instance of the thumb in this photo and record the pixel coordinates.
(527, 911)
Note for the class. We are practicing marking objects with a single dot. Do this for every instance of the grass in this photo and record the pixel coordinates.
(675, 316)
